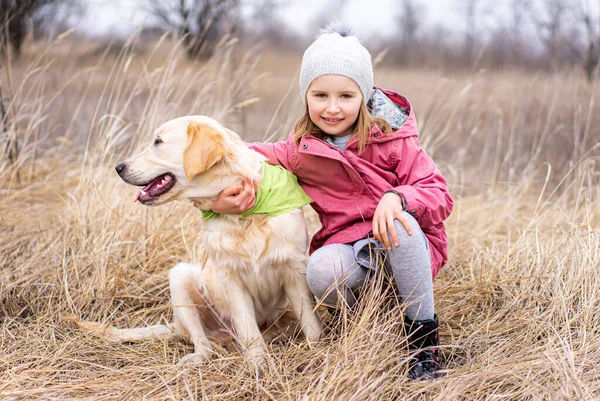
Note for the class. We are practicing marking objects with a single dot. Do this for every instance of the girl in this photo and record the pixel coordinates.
(355, 153)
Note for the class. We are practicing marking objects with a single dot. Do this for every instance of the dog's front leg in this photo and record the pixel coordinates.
(183, 278)
(243, 317)
(301, 300)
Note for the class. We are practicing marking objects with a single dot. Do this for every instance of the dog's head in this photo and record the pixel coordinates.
(181, 161)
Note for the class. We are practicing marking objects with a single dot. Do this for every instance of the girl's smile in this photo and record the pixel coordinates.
(332, 121)
(333, 104)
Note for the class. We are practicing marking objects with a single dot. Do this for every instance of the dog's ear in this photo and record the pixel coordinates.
(204, 148)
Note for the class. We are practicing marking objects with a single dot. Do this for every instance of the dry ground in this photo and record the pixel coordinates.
(519, 301)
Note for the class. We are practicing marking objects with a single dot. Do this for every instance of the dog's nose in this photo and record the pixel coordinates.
(120, 167)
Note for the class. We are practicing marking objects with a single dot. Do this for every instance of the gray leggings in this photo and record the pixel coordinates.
(333, 271)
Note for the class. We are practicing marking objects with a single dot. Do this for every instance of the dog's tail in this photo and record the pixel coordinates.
(137, 334)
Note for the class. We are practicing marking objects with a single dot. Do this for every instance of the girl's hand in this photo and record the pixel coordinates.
(235, 200)
(388, 210)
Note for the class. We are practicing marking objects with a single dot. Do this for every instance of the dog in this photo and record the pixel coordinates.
(253, 275)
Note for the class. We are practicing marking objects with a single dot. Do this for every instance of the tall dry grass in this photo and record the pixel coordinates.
(518, 302)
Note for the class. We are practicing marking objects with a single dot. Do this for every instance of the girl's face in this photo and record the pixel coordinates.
(333, 104)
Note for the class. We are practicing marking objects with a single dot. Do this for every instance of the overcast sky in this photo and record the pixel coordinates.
(366, 16)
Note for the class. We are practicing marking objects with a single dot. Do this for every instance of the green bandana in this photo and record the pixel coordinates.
(279, 193)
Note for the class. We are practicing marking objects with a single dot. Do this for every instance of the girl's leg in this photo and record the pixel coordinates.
(332, 272)
(410, 263)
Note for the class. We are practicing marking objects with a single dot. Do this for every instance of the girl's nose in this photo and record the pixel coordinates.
(332, 107)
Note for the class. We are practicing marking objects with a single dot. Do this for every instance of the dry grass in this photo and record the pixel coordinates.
(519, 301)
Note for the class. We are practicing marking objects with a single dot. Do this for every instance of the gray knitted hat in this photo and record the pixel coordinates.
(339, 53)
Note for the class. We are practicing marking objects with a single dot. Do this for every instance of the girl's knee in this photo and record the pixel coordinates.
(314, 278)
(330, 258)
(319, 271)
(329, 267)
(417, 238)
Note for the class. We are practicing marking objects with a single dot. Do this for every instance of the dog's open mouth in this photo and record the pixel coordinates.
(155, 188)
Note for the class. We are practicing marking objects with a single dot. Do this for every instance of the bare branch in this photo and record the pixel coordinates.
(197, 21)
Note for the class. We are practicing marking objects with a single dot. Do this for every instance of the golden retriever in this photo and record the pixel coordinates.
(254, 270)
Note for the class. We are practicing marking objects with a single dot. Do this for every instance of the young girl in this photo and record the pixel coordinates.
(355, 153)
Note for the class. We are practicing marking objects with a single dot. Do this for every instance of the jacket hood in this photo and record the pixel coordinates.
(396, 110)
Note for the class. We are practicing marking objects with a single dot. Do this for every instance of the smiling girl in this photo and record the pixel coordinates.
(380, 198)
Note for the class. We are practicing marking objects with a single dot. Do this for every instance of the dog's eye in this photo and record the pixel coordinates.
(157, 141)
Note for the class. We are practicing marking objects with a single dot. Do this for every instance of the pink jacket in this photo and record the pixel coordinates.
(346, 186)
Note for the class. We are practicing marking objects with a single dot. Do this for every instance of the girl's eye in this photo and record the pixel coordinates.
(346, 96)
(157, 141)
(322, 95)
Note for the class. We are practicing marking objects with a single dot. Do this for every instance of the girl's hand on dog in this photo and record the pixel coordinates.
(388, 210)
(235, 200)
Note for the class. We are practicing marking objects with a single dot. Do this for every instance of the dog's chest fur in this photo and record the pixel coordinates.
(258, 252)
(249, 243)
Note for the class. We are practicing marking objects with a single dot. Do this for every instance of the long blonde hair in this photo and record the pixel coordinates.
(305, 126)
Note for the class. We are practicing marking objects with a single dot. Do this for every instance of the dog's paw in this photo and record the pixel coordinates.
(256, 356)
(194, 359)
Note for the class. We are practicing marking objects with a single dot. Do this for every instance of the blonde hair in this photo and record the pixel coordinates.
(305, 126)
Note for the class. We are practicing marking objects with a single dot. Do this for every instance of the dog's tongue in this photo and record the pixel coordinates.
(145, 193)
(155, 188)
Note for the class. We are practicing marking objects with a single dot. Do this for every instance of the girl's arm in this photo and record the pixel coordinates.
(277, 153)
(423, 194)
(238, 199)
(424, 188)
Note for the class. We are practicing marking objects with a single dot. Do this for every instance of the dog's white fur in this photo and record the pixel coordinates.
(254, 270)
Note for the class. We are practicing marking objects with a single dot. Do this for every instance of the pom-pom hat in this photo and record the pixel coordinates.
(337, 52)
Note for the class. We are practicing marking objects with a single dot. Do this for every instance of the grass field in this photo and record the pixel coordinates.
(519, 301)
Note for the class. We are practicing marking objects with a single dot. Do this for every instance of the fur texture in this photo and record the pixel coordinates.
(253, 275)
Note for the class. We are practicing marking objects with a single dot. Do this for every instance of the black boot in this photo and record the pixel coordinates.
(423, 338)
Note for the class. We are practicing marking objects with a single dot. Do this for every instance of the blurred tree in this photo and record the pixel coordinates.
(409, 22)
(16, 15)
(589, 50)
(570, 32)
(518, 49)
(265, 22)
(13, 17)
(472, 10)
(57, 17)
(201, 23)
(507, 44)
(549, 18)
